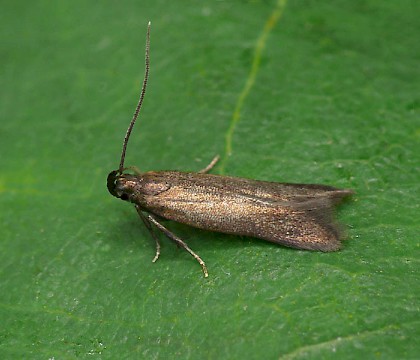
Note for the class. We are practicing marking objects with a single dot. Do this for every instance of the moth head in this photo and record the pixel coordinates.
(121, 185)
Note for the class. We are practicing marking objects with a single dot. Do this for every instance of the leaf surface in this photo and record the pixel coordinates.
(315, 92)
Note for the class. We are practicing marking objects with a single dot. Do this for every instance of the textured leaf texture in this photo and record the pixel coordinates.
(297, 91)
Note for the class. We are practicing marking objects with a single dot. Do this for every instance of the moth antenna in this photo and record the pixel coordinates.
(139, 104)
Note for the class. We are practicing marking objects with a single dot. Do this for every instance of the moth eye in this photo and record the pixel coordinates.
(124, 196)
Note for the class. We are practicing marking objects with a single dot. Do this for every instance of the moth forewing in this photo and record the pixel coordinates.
(300, 219)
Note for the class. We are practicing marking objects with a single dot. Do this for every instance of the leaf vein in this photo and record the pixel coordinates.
(260, 45)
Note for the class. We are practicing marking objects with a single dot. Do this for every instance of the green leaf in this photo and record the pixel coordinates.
(317, 92)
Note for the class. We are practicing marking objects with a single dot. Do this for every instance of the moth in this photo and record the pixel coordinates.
(299, 216)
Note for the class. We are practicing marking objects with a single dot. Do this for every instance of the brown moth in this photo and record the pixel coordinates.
(294, 215)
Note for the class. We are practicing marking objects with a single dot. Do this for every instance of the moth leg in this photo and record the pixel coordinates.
(178, 241)
(211, 165)
(135, 169)
(149, 227)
